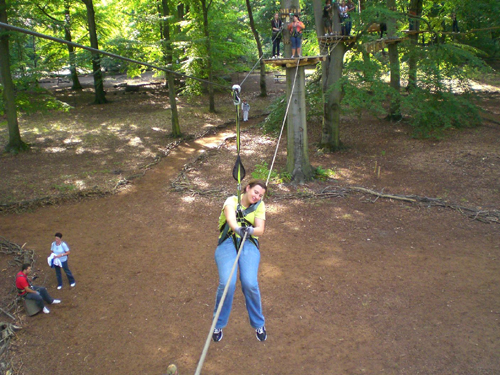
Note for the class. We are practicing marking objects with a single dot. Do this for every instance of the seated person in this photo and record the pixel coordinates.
(37, 293)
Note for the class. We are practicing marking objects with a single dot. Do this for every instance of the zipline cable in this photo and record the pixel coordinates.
(219, 309)
(39, 35)
(283, 125)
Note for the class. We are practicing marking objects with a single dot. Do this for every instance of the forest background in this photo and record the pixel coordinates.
(380, 279)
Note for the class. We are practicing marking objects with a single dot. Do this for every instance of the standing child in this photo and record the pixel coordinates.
(245, 108)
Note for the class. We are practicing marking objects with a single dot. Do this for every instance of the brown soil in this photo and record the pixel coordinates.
(350, 285)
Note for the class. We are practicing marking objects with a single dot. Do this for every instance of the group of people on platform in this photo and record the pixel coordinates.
(295, 28)
(345, 8)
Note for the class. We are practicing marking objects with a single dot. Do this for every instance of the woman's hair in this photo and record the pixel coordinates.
(253, 183)
(58, 235)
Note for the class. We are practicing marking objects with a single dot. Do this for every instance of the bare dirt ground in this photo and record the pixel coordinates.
(350, 285)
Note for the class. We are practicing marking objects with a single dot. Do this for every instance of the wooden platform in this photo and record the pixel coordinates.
(413, 32)
(293, 62)
(336, 38)
(377, 45)
(373, 28)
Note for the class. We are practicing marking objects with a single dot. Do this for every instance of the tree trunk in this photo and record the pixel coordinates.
(395, 105)
(205, 8)
(297, 162)
(100, 96)
(168, 57)
(71, 50)
(15, 144)
(263, 90)
(416, 8)
(332, 70)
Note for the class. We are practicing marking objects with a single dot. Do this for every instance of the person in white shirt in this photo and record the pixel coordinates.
(61, 252)
(245, 108)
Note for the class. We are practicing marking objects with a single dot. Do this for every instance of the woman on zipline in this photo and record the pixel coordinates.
(235, 220)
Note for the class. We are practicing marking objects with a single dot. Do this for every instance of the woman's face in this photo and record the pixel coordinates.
(276, 16)
(58, 241)
(295, 18)
(255, 193)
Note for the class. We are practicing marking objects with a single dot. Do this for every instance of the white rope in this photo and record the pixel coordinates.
(219, 309)
(258, 61)
(283, 125)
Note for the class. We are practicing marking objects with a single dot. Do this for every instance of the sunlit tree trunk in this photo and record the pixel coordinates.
(395, 105)
(100, 96)
(206, 31)
(15, 144)
(416, 8)
(263, 90)
(332, 70)
(71, 50)
(168, 58)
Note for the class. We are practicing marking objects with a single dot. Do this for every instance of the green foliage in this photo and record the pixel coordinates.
(64, 188)
(323, 174)
(273, 123)
(33, 101)
(432, 113)
(261, 172)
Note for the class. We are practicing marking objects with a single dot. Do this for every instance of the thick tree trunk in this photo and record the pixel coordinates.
(168, 57)
(263, 90)
(415, 8)
(71, 50)
(332, 70)
(297, 163)
(206, 31)
(395, 105)
(100, 96)
(15, 144)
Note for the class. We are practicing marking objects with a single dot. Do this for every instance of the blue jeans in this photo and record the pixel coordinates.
(65, 267)
(39, 298)
(296, 42)
(248, 264)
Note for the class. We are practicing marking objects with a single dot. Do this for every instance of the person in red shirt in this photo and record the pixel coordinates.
(37, 293)
(295, 29)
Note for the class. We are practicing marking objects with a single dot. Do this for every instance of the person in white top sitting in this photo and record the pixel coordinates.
(61, 251)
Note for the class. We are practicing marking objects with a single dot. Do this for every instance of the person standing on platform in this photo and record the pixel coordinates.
(454, 25)
(276, 26)
(348, 20)
(327, 18)
(296, 27)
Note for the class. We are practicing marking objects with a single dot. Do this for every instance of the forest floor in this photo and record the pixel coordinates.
(350, 284)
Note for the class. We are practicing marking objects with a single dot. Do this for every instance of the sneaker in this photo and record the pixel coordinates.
(46, 310)
(261, 334)
(73, 285)
(326, 34)
(59, 287)
(217, 335)
(56, 301)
